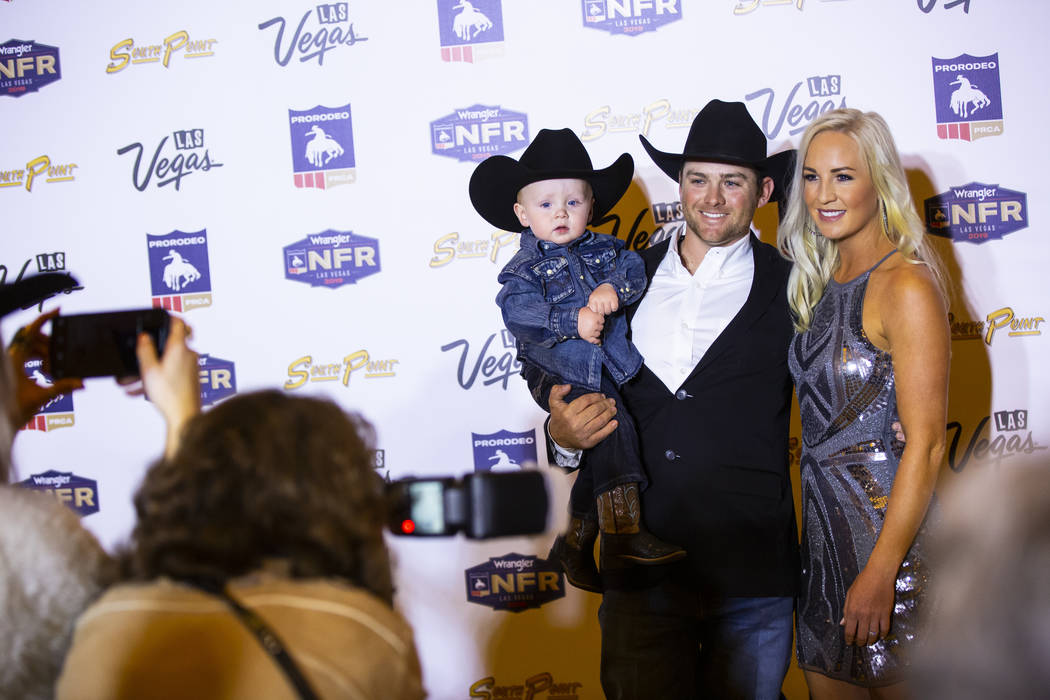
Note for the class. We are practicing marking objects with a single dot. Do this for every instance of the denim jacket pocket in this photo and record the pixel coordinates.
(600, 261)
(555, 276)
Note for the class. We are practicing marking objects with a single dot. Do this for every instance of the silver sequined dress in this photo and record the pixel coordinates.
(847, 402)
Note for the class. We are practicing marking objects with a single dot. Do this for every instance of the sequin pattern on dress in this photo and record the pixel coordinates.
(847, 402)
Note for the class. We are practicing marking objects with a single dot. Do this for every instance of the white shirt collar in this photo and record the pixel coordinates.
(717, 259)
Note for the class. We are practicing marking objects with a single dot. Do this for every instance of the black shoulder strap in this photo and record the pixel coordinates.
(267, 638)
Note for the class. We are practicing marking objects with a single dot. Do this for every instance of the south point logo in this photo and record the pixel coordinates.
(450, 247)
(186, 156)
(359, 363)
(180, 278)
(57, 412)
(976, 212)
(603, 120)
(630, 17)
(179, 44)
(495, 363)
(38, 169)
(744, 7)
(477, 132)
(824, 94)
(322, 146)
(470, 30)
(331, 259)
(1004, 319)
(80, 494)
(26, 66)
(537, 687)
(308, 42)
(515, 582)
(968, 97)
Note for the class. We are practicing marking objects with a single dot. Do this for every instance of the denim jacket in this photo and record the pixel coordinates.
(545, 285)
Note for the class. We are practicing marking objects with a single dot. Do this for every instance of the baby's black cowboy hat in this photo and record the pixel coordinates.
(724, 132)
(552, 155)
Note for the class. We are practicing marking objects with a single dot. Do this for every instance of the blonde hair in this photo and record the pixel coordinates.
(815, 258)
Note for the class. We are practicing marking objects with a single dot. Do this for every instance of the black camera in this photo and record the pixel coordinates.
(103, 344)
(481, 505)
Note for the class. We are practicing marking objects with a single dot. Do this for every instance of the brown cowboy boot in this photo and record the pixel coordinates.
(624, 538)
(574, 550)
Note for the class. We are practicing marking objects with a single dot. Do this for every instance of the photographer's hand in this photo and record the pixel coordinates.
(171, 382)
(28, 343)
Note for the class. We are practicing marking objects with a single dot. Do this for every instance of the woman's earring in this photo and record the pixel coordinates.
(885, 219)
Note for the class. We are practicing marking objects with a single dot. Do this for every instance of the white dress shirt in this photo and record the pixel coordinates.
(681, 315)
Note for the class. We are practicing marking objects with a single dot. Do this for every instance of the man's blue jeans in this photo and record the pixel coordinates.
(666, 642)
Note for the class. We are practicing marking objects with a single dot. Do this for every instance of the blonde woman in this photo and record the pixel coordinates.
(871, 345)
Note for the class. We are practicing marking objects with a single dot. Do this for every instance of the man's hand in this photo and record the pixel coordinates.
(589, 326)
(603, 299)
(583, 422)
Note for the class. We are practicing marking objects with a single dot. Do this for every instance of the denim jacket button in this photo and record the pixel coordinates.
(670, 455)
(681, 395)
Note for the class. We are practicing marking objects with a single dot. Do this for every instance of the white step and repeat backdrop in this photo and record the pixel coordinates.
(292, 178)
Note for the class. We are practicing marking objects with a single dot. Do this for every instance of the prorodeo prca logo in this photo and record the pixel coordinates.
(968, 97)
(477, 132)
(470, 30)
(180, 278)
(503, 451)
(218, 379)
(77, 492)
(976, 212)
(630, 17)
(333, 30)
(515, 582)
(26, 66)
(322, 146)
(187, 156)
(56, 413)
(331, 259)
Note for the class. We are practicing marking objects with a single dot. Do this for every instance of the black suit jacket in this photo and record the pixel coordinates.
(716, 450)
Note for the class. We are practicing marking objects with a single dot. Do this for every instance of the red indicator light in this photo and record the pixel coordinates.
(408, 526)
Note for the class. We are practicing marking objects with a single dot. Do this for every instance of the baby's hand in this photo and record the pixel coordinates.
(589, 326)
(603, 299)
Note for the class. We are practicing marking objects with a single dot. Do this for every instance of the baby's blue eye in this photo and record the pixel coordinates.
(545, 205)
(574, 202)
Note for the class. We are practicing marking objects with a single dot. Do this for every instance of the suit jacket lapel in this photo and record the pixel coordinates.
(652, 258)
(764, 288)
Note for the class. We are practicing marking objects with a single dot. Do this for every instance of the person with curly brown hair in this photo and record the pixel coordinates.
(267, 514)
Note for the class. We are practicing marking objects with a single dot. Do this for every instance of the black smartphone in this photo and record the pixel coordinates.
(103, 344)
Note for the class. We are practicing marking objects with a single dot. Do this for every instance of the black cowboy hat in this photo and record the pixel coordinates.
(29, 291)
(552, 155)
(724, 132)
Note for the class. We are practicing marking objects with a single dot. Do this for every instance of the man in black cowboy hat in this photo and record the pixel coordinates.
(711, 404)
(563, 296)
